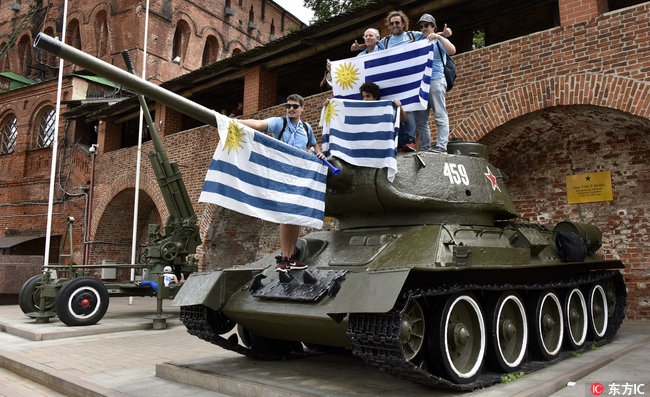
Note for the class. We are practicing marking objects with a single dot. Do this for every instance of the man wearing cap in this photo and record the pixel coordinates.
(437, 89)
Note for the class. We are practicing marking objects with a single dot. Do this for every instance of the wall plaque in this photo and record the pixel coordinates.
(589, 188)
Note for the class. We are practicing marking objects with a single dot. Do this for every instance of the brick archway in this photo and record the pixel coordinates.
(622, 93)
(105, 195)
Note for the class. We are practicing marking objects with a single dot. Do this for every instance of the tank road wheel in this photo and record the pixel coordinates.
(598, 312)
(29, 297)
(82, 301)
(412, 329)
(458, 347)
(575, 314)
(508, 333)
(547, 324)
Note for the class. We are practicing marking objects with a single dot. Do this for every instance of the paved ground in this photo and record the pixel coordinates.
(122, 355)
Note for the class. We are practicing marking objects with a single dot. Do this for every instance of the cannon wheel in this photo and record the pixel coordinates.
(82, 301)
(575, 315)
(458, 344)
(29, 297)
(508, 332)
(547, 325)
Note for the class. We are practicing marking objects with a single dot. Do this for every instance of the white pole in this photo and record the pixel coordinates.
(55, 146)
(137, 167)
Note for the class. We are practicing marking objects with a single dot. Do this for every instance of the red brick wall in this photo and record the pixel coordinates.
(538, 131)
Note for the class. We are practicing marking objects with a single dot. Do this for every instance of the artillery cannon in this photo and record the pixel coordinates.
(82, 300)
(428, 278)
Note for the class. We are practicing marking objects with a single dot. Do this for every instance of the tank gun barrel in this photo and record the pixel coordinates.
(126, 79)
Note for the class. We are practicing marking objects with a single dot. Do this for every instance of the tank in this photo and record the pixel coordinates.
(429, 278)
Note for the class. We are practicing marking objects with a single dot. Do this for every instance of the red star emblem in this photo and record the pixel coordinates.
(493, 179)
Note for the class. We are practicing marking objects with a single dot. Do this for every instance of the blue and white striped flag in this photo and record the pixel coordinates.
(362, 133)
(260, 176)
(402, 72)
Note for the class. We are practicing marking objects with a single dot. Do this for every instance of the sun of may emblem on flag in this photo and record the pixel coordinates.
(330, 112)
(234, 138)
(347, 75)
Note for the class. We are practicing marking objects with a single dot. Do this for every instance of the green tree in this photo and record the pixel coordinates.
(324, 9)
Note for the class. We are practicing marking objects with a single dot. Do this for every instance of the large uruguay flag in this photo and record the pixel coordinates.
(362, 133)
(402, 72)
(260, 176)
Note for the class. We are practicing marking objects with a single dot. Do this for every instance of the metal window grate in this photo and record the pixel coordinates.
(47, 129)
(9, 134)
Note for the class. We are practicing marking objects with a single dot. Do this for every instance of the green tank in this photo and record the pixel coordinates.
(429, 277)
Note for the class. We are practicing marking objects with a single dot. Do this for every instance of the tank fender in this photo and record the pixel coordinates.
(368, 292)
(212, 289)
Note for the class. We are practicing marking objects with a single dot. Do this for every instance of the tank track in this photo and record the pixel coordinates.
(375, 337)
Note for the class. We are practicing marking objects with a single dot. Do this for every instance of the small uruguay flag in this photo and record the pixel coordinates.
(362, 133)
(402, 72)
(260, 176)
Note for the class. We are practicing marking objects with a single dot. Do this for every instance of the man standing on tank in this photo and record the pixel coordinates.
(437, 89)
(398, 23)
(299, 134)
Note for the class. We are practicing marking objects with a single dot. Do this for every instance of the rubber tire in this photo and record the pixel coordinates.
(438, 345)
(78, 289)
(536, 343)
(27, 296)
(495, 357)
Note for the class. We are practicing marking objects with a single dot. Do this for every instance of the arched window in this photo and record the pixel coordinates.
(9, 134)
(101, 33)
(46, 128)
(236, 51)
(251, 15)
(272, 29)
(24, 55)
(211, 51)
(72, 35)
(181, 39)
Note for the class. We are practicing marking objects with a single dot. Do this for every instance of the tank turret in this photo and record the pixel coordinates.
(428, 279)
(428, 189)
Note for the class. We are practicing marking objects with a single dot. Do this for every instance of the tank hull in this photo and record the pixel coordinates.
(362, 285)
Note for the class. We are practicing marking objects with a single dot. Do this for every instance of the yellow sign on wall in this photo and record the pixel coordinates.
(589, 188)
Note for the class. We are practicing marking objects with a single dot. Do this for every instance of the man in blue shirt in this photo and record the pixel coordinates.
(292, 130)
(437, 89)
(398, 24)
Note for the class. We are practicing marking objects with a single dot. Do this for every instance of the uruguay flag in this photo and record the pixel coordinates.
(362, 133)
(402, 73)
(260, 176)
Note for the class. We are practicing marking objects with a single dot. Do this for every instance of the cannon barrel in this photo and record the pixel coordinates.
(126, 79)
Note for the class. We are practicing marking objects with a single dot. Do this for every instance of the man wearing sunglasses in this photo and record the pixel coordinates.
(292, 130)
(437, 88)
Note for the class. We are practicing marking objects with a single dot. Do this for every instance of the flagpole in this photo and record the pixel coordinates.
(137, 167)
(55, 147)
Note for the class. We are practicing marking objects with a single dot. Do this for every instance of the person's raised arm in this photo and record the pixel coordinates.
(259, 125)
(450, 48)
